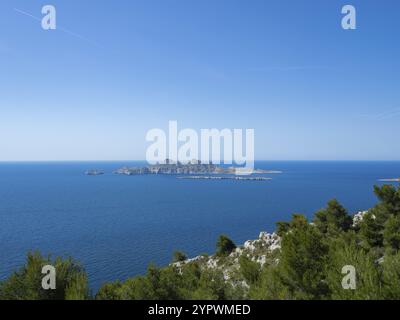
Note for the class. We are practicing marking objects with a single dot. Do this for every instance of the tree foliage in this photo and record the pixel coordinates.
(225, 245)
(26, 284)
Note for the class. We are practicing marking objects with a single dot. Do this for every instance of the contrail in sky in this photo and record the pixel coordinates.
(61, 28)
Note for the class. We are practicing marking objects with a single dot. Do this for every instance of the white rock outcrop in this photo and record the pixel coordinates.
(358, 217)
(269, 241)
(256, 250)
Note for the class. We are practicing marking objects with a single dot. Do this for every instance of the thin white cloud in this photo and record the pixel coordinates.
(383, 115)
(27, 14)
(290, 68)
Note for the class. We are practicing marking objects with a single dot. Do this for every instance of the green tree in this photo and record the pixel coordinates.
(211, 286)
(179, 256)
(225, 246)
(77, 288)
(282, 227)
(270, 286)
(157, 284)
(249, 269)
(302, 260)
(391, 277)
(109, 291)
(367, 275)
(389, 197)
(334, 218)
(371, 231)
(391, 234)
(191, 274)
(26, 284)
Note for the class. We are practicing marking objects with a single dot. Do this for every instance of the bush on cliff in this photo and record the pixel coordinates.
(225, 246)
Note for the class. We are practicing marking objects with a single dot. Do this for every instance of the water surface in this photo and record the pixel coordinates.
(115, 225)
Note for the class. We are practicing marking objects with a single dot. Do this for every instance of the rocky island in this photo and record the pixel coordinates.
(94, 172)
(192, 168)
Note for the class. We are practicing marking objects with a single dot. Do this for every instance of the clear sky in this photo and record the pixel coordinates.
(112, 70)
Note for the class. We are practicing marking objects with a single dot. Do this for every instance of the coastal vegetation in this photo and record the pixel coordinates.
(304, 259)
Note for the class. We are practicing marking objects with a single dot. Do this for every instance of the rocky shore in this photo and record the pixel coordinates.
(261, 250)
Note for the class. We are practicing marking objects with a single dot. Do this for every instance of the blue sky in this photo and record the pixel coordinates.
(112, 70)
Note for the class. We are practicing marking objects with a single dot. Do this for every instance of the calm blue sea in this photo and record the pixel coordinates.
(115, 225)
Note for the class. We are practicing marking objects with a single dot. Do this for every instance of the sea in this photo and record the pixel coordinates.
(115, 225)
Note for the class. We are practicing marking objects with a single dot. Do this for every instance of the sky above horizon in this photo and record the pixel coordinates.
(112, 70)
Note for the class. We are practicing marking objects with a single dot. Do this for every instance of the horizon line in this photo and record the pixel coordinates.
(267, 160)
